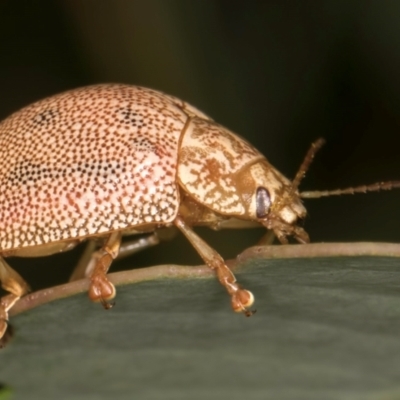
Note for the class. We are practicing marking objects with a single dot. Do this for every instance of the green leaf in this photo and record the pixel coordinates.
(327, 327)
(5, 393)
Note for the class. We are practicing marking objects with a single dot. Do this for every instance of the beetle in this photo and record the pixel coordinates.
(104, 161)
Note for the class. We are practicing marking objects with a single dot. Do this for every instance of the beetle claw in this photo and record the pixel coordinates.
(106, 304)
(249, 313)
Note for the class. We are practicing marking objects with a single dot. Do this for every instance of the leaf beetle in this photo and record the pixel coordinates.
(104, 161)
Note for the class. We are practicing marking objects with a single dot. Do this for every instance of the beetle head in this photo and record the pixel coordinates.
(224, 173)
(232, 184)
(272, 200)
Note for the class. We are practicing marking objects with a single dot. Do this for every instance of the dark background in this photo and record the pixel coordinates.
(280, 73)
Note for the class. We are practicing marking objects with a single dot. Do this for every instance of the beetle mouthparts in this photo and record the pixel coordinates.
(282, 230)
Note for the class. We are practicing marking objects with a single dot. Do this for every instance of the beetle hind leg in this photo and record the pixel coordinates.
(16, 287)
(241, 298)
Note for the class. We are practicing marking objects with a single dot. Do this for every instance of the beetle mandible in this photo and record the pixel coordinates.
(104, 161)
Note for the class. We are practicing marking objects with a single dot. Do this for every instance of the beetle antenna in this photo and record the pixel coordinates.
(307, 161)
(375, 187)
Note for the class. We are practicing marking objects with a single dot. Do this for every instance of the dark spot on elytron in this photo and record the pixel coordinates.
(27, 172)
(131, 117)
(144, 144)
(45, 117)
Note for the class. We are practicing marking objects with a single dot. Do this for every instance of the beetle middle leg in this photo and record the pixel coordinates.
(83, 269)
(241, 299)
(13, 283)
(101, 289)
(267, 239)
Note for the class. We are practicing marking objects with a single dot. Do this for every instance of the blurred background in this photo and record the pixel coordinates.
(280, 73)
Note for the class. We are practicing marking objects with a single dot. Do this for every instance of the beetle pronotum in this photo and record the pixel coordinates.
(104, 161)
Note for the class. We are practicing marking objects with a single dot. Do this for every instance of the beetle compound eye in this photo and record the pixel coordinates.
(263, 202)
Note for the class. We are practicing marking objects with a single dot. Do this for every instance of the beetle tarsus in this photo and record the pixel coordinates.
(241, 300)
(101, 289)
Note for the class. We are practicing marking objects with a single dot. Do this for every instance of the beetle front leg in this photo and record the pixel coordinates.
(267, 239)
(241, 299)
(13, 283)
(101, 289)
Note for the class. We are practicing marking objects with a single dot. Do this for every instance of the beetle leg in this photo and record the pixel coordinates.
(82, 268)
(126, 249)
(134, 246)
(138, 244)
(13, 283)
(267, 239)
(101, 289)
(241, 299)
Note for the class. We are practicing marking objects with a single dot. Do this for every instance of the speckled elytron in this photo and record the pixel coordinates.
(103, 161)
